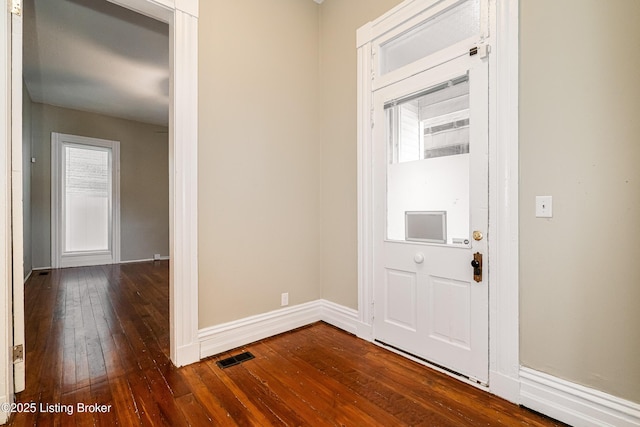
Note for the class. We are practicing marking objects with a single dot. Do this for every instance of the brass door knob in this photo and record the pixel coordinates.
(477, 235)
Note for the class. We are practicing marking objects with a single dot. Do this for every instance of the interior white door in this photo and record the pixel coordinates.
(430, 174)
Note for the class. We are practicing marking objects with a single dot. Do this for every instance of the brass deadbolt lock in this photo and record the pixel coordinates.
(477, 267)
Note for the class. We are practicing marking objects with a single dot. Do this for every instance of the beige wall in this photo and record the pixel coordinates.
(277, 183)
(144, 179)
(259, 151)
(339, 20)
(579, 142)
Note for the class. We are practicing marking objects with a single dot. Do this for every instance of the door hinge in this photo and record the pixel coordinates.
(16, 7)
(18, 353)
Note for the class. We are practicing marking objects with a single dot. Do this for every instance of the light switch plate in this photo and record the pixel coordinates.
(544, 207)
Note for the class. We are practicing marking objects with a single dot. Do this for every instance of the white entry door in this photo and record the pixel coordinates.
(430, 174)
(85, 214)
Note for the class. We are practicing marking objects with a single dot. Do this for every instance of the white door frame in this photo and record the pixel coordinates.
(17, 219)
(503, 180)
(6, 324)
(182, 17)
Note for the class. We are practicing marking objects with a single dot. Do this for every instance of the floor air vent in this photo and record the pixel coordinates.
(43, 273)
(234, 360)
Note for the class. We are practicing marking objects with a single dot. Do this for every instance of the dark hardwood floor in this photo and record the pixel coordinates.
(99, 336)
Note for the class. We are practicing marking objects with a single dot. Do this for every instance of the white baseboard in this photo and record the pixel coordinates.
(346, 319)
(504, 386)
(227, 336)
(573, 403)
(340, 316)
(162, 258)
(220, 338)
(187, 354)
(132, 261)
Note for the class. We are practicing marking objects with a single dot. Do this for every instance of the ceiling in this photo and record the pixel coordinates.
(80, 54)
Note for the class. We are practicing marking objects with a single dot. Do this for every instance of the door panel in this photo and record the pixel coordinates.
(449, 306)
(430, 179)
(400, 296)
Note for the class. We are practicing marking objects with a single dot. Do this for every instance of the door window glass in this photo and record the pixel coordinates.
(428, 164)
(87, 201)
(453, 25)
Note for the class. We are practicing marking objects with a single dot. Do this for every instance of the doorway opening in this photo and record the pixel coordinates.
(182, 167)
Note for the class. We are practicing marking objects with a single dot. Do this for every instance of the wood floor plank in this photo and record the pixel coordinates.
(193, 412)
(166, 401)
(327, 396)
(397, 396)
(283, 384)
(256, 392)
(124, 402)
(100, 336)
(101, 395)
(234, 403)
(148, 409)
(215, 410)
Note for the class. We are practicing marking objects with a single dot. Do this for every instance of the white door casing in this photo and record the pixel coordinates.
(426, 301)
(6, 332)
(501, 40)
(182, 17)
(17, 202)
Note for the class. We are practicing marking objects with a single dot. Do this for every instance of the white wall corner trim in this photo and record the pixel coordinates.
(573, 403)
(341, 317)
